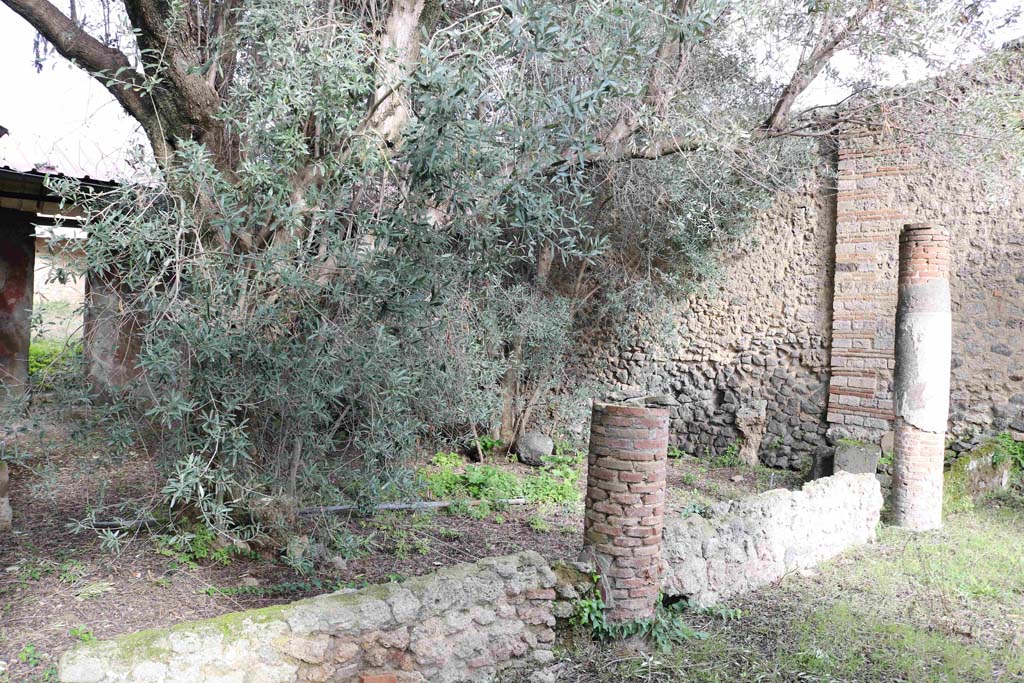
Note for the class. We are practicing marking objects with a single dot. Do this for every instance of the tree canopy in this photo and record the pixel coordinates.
(384, 222)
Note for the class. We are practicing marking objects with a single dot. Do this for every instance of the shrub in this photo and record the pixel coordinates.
(1009, 449)
(557, 481)
(486, 482)
(730, 457)
(665, 629)
(193, 546)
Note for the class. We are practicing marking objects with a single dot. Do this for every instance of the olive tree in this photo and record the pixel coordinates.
(383, 222)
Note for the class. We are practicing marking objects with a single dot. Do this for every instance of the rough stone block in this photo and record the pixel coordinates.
(752, 421)
(857, 457)
(533, 447)
(973, 475)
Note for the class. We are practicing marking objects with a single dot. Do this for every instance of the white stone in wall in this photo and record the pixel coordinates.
(744, 544)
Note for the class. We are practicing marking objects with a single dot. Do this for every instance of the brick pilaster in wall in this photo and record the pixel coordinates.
(923, 344)
(881, 185)
(868, 219)
(625, 505)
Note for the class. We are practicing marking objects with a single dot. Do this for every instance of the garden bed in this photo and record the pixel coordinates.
(58, 587)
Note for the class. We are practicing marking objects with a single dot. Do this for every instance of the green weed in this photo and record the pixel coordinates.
(71, 571)
(666, 629)
(539, 524)
(1006, 448)
(450, 478)
(488, 445)
(192, 547)
(82, 634)
(30, 655)
(730, 457)
(675, 452)
(349, 545)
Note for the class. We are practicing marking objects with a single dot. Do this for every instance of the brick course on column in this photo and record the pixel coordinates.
(625, 505)
(923, 343)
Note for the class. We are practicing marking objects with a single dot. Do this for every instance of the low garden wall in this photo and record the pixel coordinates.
(737, 546)
(466, 623)
(463, 623)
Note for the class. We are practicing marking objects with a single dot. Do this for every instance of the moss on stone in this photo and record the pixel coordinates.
(959, 487)
(152, 645)
(131, 647)
(233, 624)
(956, 494)
(853, 442)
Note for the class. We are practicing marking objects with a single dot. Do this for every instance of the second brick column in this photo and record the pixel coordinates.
(625, 505)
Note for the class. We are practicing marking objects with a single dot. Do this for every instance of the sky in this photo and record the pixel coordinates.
(63, 117)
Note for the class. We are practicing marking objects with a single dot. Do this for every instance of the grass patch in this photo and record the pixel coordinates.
(49, 359)
(449, 477)
(941, 607)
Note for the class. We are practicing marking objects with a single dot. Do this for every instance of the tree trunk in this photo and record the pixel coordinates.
(506, 431)
(111, 340)
(5, 501)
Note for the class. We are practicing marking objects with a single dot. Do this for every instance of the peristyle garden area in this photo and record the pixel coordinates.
(521, 340)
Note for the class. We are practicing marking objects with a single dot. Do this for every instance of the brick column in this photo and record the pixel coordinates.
(626, 505)
(923, 341)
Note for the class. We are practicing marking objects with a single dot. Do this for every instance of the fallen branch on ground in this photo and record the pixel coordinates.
(132, 524)
(419, 505)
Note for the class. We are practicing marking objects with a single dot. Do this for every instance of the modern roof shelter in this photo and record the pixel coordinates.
(25, 205)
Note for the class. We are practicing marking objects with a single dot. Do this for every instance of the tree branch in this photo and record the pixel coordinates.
(662, 81)
(73, 43)
(809, 69)
(653, 149)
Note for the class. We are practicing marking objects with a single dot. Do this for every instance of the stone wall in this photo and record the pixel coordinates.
(882, 186)
(804, 320)
(469, 622)
(759, 340)
(459, 624)
(741, 545)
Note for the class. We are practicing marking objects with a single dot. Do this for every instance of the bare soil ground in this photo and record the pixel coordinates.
(58, 587)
